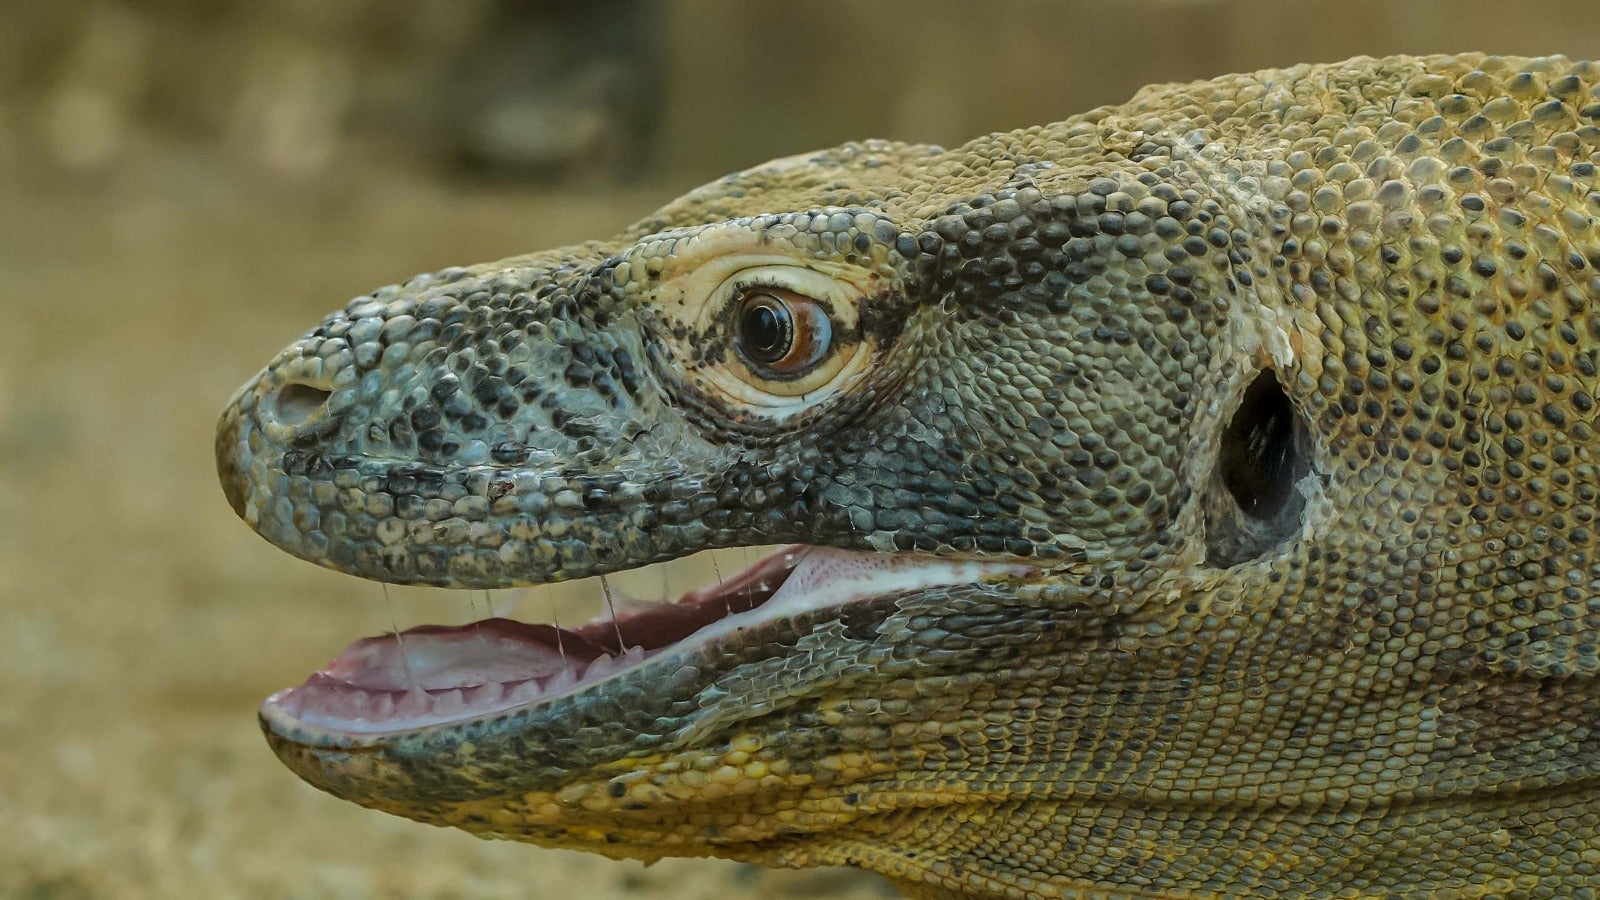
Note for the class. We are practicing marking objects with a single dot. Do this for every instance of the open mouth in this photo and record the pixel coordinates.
(435, 675)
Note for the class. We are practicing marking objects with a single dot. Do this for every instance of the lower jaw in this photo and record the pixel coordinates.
(433, 678)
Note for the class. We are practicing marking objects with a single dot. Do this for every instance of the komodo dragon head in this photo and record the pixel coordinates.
(1197, 494)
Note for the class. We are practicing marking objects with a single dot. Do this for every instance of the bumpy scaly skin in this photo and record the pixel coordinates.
(1392, 686)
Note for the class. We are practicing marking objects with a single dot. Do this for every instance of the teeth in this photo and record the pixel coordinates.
(383, 706)
(411, 704)
(448, 702)
(486, 694)
(600, 668)
(561, 681)
(526, 692)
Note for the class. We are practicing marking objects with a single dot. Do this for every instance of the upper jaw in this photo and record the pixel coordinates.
(469, 527)
(534, 505)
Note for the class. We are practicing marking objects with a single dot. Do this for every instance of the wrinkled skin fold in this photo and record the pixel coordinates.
(1275, 393)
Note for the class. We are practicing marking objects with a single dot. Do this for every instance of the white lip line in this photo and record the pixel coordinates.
(864, 575)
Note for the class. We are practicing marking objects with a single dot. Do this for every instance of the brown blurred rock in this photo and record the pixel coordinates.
(562, 91)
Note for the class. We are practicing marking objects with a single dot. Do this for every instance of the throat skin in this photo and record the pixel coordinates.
(1252, 423)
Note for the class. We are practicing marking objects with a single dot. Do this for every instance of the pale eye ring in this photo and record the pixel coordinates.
(781, 333)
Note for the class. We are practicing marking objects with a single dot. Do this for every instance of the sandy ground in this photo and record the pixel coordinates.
(140, 623)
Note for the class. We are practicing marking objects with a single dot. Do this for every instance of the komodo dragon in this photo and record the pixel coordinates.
(1192, 497)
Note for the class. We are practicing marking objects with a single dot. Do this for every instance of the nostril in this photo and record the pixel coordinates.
(296, 402)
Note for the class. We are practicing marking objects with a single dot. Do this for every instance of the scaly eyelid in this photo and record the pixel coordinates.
(838, 298)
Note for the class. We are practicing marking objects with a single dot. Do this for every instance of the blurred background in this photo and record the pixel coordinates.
(187, 185)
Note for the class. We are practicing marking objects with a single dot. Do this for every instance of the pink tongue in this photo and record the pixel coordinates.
(442, 657)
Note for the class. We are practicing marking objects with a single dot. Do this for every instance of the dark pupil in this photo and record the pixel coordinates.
(764, 331)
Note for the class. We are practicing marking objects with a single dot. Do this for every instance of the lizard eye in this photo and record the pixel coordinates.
(781, 333)
(768, 336)
(790, 333)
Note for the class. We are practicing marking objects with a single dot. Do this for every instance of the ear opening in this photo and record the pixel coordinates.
(1253, 500)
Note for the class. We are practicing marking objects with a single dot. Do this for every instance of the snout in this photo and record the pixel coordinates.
(230, 466)
(282, 406)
